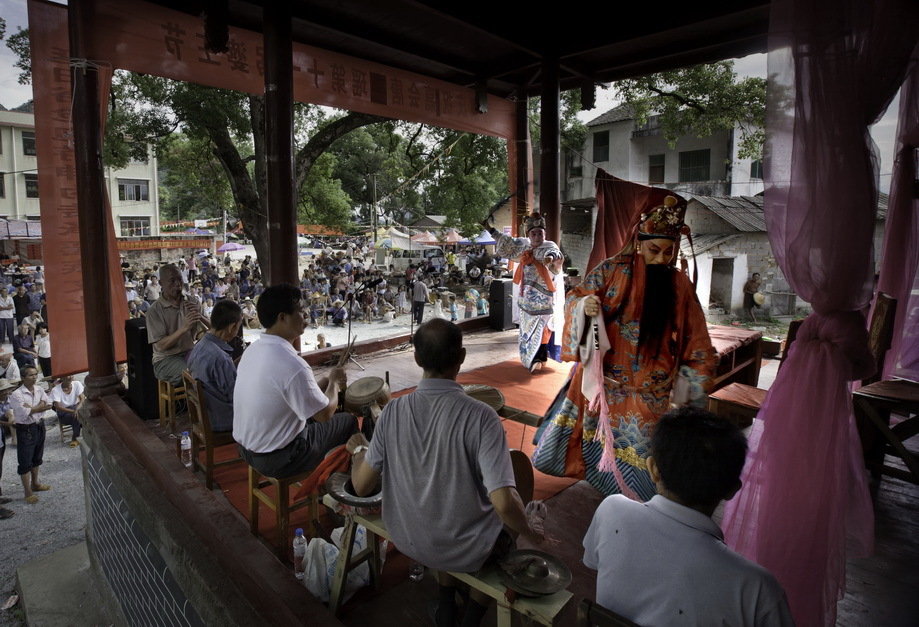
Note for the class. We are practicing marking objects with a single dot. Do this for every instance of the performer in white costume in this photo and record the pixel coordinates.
(539, 291)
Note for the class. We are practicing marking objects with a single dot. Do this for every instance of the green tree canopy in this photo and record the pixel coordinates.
(700, 100)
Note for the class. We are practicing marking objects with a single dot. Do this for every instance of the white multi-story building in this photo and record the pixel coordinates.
(709, 166)
(133, 190)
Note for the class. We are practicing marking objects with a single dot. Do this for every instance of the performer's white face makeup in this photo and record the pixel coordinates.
(537, 237)
(657, 251)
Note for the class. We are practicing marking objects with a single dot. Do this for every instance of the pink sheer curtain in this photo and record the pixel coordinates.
(901, 236)
(619, 205)
(833, 67)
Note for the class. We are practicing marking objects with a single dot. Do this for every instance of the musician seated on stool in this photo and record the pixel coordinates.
(669, 549)
(211, 362)
(448, 484)
(283, 417)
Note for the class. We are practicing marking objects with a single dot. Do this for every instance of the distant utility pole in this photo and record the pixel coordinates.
(374, 217)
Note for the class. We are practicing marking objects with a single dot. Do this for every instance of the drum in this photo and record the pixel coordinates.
(367, 393)
(487, 394)
(339, 487)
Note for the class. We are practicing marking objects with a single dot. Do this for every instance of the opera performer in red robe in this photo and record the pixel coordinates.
(652, 337)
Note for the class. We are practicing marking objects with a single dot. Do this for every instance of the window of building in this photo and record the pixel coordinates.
(28, 142)
(756, 169)
(31, 185)
(601, 146)
(135, 227)
(655, 169)
(133, 189)
(2, 184)
(694, 165)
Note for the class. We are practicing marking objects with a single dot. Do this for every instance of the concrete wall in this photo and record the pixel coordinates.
(751, 253)
(172, 552)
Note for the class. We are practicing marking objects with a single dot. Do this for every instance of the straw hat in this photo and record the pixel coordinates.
(6, 384)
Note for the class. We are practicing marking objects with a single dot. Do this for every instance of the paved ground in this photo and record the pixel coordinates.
(57, 521)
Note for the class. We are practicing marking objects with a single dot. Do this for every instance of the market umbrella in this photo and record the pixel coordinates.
(425, 238)
(452, 237)
(485, 238)
(230, 246)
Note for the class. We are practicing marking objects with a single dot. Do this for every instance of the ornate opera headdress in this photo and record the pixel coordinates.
(534, 221)
(663, 221)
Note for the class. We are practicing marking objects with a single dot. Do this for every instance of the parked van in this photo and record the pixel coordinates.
(397, 261)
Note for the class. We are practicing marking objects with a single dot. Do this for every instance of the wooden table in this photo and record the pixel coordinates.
(542, 610)
(740, 354)
(873, 406)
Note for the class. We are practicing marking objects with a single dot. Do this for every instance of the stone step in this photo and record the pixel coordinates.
(61, 589)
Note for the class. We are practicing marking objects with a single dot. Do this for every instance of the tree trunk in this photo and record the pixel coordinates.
(249, 191)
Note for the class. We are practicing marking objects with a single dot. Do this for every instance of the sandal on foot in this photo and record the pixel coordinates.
(32, 500)
(73, 444)
(41, 487)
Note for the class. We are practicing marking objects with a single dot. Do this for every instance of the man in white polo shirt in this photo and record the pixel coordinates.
(282, 419)
(664, 562)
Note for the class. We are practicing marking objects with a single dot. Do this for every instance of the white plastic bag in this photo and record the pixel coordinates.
(321, 559)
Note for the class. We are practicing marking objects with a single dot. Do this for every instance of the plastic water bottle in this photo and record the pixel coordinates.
(416, 571)
(185, 445)
(299, 552)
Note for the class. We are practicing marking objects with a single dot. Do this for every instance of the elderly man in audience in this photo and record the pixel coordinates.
(24, 347)
(29, 403)
(153, 290)
(664, 562)
(171, 324)
(283, 417)
(6, 420)
(7, 312)
(447, 479)
(21, 304)
(9, 369)
(250, 315)
(211, 363)
(66, 397)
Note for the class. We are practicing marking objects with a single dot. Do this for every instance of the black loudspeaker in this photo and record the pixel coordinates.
(141, 382)
(501, 304)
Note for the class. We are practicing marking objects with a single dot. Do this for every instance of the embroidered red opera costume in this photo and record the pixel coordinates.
(601, 430)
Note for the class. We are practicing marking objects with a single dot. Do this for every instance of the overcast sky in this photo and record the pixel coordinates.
(12, 94)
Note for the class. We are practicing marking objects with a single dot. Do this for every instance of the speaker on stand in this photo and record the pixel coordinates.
(141, 382)
(501, 304)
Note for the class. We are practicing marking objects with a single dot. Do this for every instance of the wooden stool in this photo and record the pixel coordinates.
(168, 394)
(737, 402)
(279, 503)
(542, 610)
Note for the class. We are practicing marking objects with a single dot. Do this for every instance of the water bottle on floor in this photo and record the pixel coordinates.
(416, 571)
(299, 552)
(186, 449)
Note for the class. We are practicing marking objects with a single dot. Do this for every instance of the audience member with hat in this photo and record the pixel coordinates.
(6, 421)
